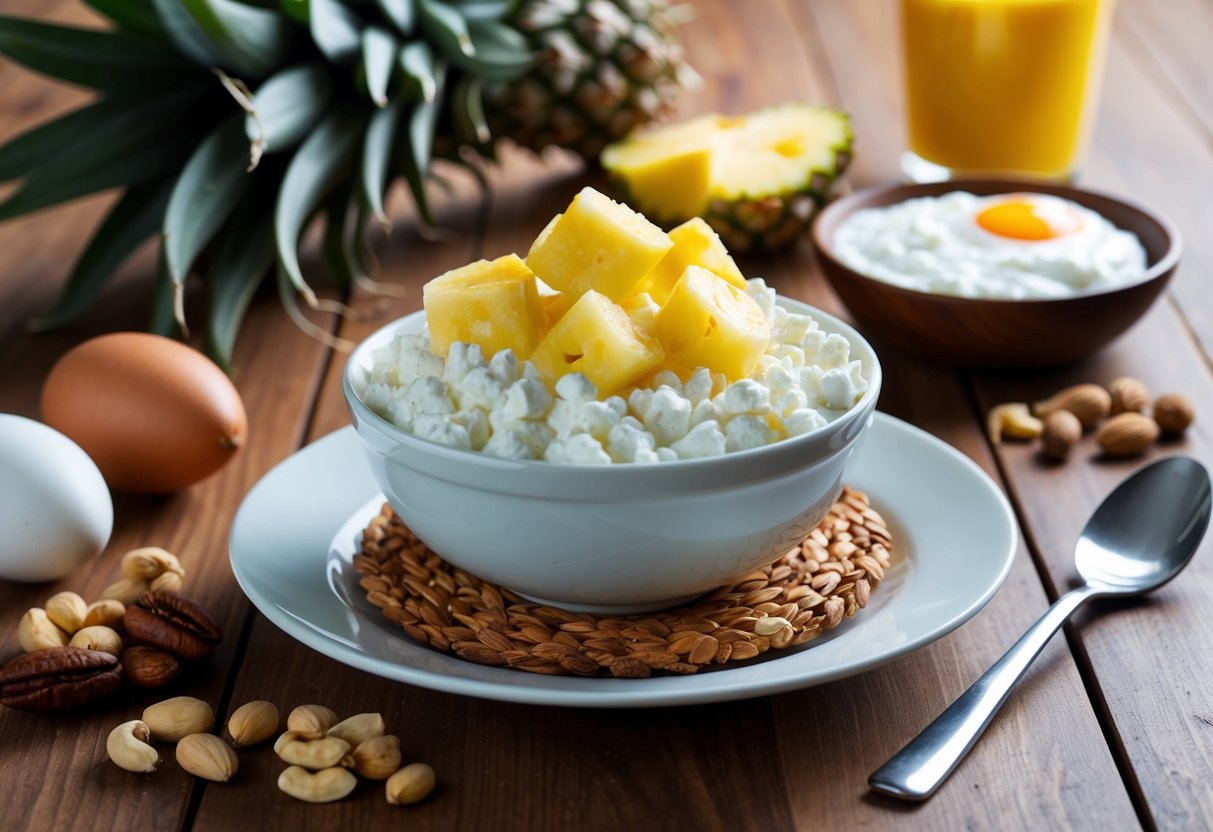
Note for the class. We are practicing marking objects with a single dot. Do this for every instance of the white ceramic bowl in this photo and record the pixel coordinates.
(617, 538)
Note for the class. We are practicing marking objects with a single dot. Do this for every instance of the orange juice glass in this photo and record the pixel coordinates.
(1001, 86)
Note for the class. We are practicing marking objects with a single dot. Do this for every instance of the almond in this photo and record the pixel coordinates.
(1089, 402)
(1128, 395)
(1061, 433)
(1173, 413)
(253, 722)
(1127, 434)
(208, 757)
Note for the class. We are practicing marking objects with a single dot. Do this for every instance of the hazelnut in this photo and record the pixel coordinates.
(1173, 413)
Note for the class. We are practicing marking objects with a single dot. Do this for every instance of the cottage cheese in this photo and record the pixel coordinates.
(502, 407)
(945, 245)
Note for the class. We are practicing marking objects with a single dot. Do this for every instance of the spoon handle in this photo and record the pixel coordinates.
(915, 772)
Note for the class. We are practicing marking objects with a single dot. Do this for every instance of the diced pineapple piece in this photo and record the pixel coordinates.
(555, 305)
(596, 337)
(708, 322)
(494, 304)
(597, 244)
(642, 309)
(695, 244)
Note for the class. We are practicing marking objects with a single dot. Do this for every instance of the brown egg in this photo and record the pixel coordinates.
(154, 414)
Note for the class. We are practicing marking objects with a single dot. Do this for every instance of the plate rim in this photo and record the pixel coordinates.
(534, 692)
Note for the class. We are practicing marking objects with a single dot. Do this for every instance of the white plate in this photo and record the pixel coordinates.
(954, 538)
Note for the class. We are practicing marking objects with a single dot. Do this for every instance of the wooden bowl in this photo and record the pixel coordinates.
(974, 332)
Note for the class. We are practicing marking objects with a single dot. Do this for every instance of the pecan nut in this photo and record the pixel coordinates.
(58, 679)
(149, 667)
(173, 624)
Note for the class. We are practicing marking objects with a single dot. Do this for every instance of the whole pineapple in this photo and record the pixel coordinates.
(231, 124)
(603, 68)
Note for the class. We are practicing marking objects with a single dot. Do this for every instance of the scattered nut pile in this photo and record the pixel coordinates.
(78, 653)
(1116, 413)
(323, 752)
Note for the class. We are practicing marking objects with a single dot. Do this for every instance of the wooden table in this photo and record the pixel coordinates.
(1112, 729)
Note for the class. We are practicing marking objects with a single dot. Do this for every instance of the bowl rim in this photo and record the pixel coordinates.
(779, 449)
(837, 211)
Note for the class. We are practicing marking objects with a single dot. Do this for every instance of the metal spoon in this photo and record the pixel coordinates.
(1141, 536)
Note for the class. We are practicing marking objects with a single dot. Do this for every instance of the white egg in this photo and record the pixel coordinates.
(55, 510)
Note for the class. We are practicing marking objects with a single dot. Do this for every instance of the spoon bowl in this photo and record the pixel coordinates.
(1145, 532)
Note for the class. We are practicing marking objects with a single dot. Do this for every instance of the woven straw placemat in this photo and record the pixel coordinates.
(827, 578)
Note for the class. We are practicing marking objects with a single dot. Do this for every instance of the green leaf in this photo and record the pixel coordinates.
(207, 191)
(378, 55)
(288, 106)
(467, 112)
(337, 251)
(376, 157)
(473, 10)
(91, 57)
(502, 53)
(137, 16)
(296, 10)
(415, 160)
(320, 163)
(134, 219)
(401, 13)
(249, 40)
(163, 321)
(243, 256)
(417, 68)
(335, 29)
(185, 33)
(447, 27)
(143, 142)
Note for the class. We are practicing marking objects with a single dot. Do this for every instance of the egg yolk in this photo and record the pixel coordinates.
(1024, 218)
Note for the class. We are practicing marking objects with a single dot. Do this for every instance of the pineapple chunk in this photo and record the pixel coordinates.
(555, 305)
(707, 322)
(596, 337)
(642, 309)
(597, 244)
(695, 244)
(495, 305)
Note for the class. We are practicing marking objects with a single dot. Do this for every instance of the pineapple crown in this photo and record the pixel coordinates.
(349, 96)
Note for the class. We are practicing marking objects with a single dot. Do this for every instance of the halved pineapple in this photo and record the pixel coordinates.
(770, 171)
(695, 244)
(708, 322)
(596, 244)
(494, 304)
(596, 337)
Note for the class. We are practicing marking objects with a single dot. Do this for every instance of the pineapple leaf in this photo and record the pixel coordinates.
(91, 57)
(296, 10)
(415, 160)
(134, 219)
(376, 155)
(378, 52)
(289, 104)
(337, 252)
(484, 9)
(208, 189)
(319, 164)
(163, 321)
(140, 143)
(502, 53)
(250, 40)
(447, 28)
(137, 16)
(185, 33)
(417, 66)
(467, 112)
(81, 131)
(243, 256)
(401, 13)
(335, 29)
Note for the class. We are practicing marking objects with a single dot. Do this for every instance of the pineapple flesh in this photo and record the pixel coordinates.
(708, 322)
(769, 173)
(597, 338)
(494, 304)
(597, 244)
(695, 244)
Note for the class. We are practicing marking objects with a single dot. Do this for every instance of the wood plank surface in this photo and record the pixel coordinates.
(1087, 744)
